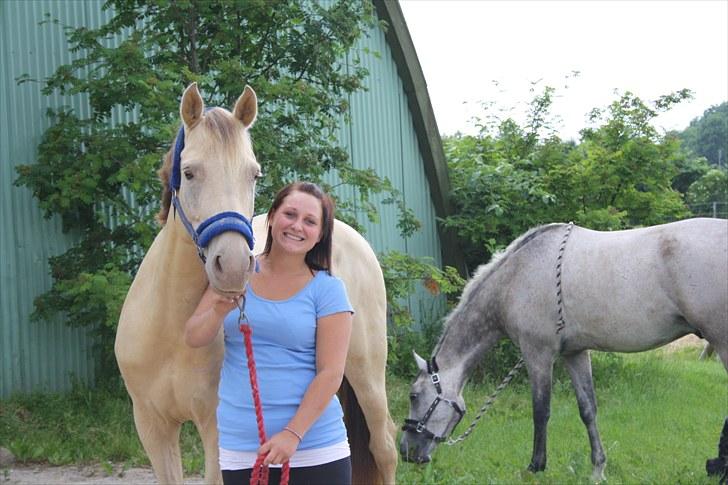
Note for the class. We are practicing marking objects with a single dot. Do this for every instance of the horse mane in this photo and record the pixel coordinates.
(219, 124)
(164, 174)
(484, 271)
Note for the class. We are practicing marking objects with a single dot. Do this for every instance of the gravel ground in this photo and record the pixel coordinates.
(92, 474)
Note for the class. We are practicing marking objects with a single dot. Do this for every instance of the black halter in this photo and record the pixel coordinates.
(420, 426)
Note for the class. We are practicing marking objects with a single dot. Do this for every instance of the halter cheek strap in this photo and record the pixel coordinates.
(213, 226)
(420, 426)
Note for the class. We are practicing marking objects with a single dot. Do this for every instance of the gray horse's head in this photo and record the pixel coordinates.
(436, 407)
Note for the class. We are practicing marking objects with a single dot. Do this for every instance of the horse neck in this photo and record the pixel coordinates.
(470, 331)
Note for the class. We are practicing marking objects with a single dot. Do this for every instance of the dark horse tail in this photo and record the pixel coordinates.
(363, 467)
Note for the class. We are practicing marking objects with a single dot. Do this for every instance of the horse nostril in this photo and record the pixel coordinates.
(218, 266)
(251, 264)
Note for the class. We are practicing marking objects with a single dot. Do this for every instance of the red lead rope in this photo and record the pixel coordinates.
(259, 475)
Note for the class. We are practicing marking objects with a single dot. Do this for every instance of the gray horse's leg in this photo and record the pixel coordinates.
(579, 367)
(539, 374)
(707, 351)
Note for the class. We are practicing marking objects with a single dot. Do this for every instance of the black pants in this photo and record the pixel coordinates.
(335, 473)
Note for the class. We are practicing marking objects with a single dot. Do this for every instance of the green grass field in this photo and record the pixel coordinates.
(660, 415)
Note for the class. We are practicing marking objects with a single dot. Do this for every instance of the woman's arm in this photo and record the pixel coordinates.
(204, 324)
(332, 344)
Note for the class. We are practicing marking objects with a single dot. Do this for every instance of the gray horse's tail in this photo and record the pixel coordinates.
(363, 467)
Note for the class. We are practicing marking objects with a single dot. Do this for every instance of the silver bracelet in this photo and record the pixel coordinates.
(300, 438)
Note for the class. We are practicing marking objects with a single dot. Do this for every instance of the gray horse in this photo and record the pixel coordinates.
(560, 290)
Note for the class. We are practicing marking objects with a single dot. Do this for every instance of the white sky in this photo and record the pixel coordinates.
(650, 48)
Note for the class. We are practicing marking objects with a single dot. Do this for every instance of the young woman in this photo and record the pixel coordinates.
(301, 322)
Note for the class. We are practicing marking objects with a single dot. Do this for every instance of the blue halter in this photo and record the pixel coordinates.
(215, 225)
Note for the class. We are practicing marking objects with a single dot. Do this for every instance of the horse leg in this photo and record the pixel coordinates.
(719, 465)
(539, 374)
(579, 367)
(160, 438)
(372, 397)
(208, 434)
(707, 351)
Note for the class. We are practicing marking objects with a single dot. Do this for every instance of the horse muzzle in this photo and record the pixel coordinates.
(416, 449)
(229, 263)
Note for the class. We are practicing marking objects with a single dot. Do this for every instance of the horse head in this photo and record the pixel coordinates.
(433, 415)
(209, 178)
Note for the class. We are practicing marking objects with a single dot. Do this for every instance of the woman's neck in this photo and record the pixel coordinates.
(285, 264)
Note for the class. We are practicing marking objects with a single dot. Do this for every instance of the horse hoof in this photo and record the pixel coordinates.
(536, 468)
(598, 475)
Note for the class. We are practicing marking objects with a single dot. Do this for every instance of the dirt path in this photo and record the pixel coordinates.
(91, 474)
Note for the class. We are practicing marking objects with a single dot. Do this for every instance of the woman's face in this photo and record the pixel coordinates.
(296, 225)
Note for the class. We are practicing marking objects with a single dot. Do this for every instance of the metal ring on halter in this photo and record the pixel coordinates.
(241, 305)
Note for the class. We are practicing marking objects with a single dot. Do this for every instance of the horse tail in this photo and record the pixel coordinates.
(363, 467)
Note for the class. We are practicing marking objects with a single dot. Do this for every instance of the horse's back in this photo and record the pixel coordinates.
(642, 288)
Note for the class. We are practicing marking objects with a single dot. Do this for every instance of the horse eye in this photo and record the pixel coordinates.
(413, 396)
(188, 175)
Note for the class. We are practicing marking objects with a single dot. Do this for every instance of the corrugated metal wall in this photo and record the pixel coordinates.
(43, 356)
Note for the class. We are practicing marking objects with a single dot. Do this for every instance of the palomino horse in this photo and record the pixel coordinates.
(211, 184)
(561, 290)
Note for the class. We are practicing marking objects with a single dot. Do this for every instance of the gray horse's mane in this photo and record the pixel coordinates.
(484, 271)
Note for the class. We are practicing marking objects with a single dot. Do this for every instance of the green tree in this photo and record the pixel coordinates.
(497, 179)
(707, 136)
(509, 177)
(621, 173)
(708, 196)
(299, 56)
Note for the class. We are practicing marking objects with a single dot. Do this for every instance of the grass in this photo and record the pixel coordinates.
(81, 427)
(660, 415)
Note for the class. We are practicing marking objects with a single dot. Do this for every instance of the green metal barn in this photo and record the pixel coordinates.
(394, 111)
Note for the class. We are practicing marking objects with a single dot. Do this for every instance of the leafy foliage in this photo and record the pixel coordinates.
(707, 136)
(509, 178)
(402, 276)
(709, 194)
(97, 171)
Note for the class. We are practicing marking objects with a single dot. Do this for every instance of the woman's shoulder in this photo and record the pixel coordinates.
(323, 279)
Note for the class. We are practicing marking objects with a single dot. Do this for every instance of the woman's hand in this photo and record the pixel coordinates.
(204, 324)
(222, 305)
(280, 448)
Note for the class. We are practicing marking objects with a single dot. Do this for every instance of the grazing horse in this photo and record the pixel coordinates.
(560, 290)
(209, 184)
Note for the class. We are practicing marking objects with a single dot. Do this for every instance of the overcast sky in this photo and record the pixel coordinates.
(650, 48)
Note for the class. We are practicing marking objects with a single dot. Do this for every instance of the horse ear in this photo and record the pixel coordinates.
(192, 106)
(246, 107)
(421, 363)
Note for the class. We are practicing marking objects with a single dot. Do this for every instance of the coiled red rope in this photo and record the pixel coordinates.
(259, 475)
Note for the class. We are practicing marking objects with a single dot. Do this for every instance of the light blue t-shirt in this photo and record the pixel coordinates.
(284, 348)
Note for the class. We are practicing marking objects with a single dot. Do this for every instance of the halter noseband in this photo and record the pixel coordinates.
(420, 426)
(213, 226)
